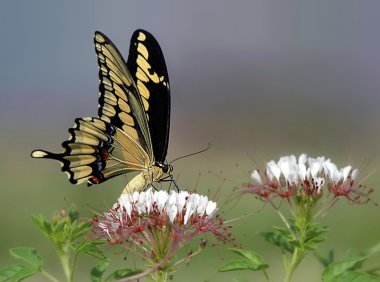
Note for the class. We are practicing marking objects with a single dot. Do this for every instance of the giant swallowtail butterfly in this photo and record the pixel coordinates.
(132, 130)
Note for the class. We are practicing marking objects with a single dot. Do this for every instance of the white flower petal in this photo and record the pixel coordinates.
(194, 198)
(302, 171)
(181, 200)
(210, 208)
(141, 203)
(274, 170)
(338, 176)
(346, 171)
(314, 169)
(354, 173)
(284, 165)
(124, 201)
(135, 196)
(203, 200)
(302, 159)
(329, 169)
(162, 198)
(171, 211)
(255, 175)
(189, 212)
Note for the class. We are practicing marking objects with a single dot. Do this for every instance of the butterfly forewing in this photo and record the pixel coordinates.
(119, 102)
(147, 66)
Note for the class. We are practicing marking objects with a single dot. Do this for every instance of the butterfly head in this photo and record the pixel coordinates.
(166, 168)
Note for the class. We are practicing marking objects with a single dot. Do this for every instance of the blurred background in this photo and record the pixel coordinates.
(267, 78)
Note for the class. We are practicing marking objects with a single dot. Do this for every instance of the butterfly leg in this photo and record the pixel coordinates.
(175, 183)
(170, 179)
(151, 184)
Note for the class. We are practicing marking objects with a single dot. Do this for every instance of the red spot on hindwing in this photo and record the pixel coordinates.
(94, 179)
(104, 154)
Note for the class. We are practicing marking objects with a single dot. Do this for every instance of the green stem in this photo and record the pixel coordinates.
(305, 208)
(49, 276)
(161, 276)
(296, 259)
(73, 265)
(65, 262)
(266, 276)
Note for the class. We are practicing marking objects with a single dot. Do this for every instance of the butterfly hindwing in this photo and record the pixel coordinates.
(147, 66)
(96, 151)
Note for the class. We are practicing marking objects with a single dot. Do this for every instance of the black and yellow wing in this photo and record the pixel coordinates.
(147, 65)
(132, 130)
(120, 103)
(96, 151)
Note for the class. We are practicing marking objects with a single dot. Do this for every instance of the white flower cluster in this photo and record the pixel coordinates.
(172, 204)
(296, 171)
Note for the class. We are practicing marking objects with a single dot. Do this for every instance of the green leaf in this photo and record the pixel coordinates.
(121, 273)
(250, 255)
(286, 233)
(325, 260)
(90, 248)
(241, 265)
(278, 240)
(373, 251)
(314, 236)
(73, 213)
(25, 272)
(17, 272)
(28, 255)
(311, 244)
(295, 243)
(78, 229)
(59, 227)
(354, 276)
(43, 224)
(98, 271)
(337, 268)
(9, 271)
(315, 230)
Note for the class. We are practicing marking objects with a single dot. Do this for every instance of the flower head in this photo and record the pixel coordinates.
(160, 223)
(292, 177)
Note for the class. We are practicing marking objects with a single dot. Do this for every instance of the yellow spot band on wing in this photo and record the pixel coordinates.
(80, 160)
(143, 51)
(124, 106)
(127, 119)
(141, 36)
(146, 104)
(131, 132)
(141, 75)
(81, 171)
(143, 90)
(145, 66)
(99, 38)
(120, 92)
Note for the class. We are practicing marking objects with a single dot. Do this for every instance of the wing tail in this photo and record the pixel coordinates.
(42, 154)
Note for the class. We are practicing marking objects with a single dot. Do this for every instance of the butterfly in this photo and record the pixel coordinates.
(132, 130)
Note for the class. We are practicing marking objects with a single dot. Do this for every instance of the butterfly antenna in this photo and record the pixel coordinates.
(192, 154)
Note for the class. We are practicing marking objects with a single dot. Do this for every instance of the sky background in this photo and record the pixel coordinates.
(265, 77)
